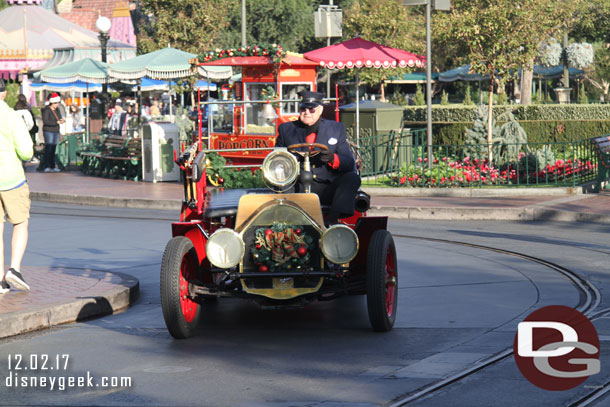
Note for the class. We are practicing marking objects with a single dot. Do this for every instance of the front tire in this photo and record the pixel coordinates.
(179, 266)
(382, 281)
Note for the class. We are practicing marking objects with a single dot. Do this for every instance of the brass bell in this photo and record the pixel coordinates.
(268, 114)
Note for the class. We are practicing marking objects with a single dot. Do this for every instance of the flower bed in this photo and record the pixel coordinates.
(472, 171)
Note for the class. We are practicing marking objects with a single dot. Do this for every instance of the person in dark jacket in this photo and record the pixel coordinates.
(336, 181)
(51, 119)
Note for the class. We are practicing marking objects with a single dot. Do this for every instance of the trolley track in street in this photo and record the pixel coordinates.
(590, 300)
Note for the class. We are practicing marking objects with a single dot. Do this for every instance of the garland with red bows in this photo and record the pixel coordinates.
(274, 51)
(281, 247)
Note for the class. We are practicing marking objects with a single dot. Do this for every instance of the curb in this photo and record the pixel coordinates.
(79, 309)
(473, 192)
(133, 203)
(528, 214)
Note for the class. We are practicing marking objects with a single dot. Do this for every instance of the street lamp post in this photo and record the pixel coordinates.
(103, 25)
(438, 5)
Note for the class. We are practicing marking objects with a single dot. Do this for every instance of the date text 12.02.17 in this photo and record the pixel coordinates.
(43, 361)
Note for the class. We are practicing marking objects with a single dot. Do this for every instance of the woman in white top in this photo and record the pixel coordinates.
(23, 108)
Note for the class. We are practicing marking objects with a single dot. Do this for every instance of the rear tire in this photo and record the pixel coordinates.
(382, 281)
(179, 266)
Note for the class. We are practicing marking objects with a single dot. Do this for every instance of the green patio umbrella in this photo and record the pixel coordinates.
(86, 70)
(166, 63)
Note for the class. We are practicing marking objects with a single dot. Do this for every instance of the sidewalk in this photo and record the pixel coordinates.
(551, 204)
(62, 295)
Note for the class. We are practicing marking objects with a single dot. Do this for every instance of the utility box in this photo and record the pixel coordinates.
(375, 117)
(159, 140)
(381, 146)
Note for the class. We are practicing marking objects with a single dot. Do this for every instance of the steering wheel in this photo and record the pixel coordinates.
(293, 149)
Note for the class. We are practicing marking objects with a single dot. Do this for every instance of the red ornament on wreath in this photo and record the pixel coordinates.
(299, 231)
(263, 269)
(302, 251)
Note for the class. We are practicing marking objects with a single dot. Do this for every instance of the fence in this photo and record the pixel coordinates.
(401, 159)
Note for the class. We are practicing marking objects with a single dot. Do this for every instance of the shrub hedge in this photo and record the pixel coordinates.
(542, 123)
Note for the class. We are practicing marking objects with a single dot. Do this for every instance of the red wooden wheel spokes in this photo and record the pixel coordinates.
(187, 271)
(390, 283)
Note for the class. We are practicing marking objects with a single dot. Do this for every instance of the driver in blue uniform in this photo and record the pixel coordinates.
(335, 179)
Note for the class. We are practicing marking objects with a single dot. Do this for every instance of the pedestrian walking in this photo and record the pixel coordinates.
(25, 110)
(15, 146)
(51, 120)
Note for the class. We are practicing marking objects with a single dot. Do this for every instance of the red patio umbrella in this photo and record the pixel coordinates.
(360, 53)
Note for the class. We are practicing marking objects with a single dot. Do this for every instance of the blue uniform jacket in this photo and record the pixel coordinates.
(331, 134)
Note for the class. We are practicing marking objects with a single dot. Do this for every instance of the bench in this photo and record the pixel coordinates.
(93, 160)
(126, 162)
(602, 145)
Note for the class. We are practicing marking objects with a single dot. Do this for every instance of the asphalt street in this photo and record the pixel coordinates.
(457, 306)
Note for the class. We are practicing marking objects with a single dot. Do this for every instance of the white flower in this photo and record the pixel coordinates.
(580, 55)
(550, 52)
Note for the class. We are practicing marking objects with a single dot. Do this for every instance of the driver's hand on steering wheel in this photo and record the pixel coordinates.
(326, 156)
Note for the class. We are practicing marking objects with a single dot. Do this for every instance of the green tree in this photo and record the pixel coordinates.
(289, 23)
(500, 36)
(189, 25)
(583, 99)
(419, 99)
(599, 73)
(387, 22)
(591, 21)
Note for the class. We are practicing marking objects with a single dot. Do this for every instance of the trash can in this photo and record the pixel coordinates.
(159, 140)
(380, 126)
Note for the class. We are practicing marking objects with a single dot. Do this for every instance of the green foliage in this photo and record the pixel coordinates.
(467, 98)
(12, 91)
(232, 178)
(459, 113)
(599, 75)
(542, 123)
(444, 98)
(419, 99)
(538, 131)
(398, 98)
(275, 51)
(286, 22)
(507, 139)
(389, 23)
(203, 25)
(583, 99)
(502, 98)
(189, 25)
(591, 21)
(500, 36)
